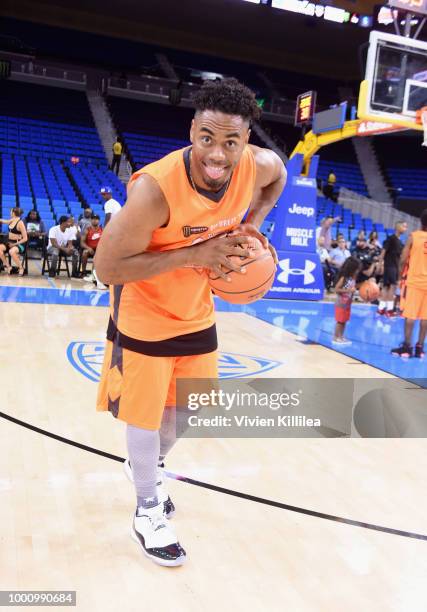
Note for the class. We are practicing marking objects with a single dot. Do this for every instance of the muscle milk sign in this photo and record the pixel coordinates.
(300, 217)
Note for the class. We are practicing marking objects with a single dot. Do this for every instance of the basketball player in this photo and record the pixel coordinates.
(414, 295)
(390, 255)
(156, 253)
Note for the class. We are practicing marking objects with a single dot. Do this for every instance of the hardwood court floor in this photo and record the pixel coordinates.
(65, 512)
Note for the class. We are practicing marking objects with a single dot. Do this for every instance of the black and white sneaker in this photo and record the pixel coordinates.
(419, 351)
(404, 350)
(154, 534)
(162, 494)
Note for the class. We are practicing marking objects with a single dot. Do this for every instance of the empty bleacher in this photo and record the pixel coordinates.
(406, 172)
(341, 158)
(41, 129)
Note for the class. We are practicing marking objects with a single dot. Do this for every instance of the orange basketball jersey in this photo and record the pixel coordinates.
(180, 301)
(417, 270)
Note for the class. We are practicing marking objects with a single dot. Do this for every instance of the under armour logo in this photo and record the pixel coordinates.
(287, 271)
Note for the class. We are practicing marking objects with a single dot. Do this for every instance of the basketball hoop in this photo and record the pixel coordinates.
(421, 118)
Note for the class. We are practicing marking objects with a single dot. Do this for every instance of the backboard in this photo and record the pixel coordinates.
(395, 84)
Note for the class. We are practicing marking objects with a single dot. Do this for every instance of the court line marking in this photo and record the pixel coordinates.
(218, 489)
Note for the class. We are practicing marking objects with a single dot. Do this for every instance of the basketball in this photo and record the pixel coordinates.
(369, 291)
(252, 285)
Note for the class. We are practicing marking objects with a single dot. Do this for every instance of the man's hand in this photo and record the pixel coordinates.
(251, 230)
(214, 254)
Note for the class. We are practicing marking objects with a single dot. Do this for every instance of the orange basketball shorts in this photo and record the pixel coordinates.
(135, 388)
(415, 305)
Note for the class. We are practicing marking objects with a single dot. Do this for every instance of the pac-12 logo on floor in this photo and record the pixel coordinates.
(87, 357)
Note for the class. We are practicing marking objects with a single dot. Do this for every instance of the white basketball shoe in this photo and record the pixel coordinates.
(162, 494)
(158, 541)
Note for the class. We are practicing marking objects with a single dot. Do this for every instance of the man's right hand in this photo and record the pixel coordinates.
(214, 254)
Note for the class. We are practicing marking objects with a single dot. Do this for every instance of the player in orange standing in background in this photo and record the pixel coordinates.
(156, 253)
(413, 263)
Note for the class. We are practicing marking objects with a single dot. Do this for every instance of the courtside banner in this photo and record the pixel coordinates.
(301, 408)
(295, 226)
(299, 276)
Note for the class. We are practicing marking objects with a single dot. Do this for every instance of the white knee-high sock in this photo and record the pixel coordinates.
(143, 448)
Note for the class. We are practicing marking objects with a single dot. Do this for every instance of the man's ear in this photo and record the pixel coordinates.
(192, 128)
(248, 135)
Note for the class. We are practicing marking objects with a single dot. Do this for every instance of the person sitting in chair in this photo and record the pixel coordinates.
(89, 241)
(36, 229)
(61, 241)
(17, 241)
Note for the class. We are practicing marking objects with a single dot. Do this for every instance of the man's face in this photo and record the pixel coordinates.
(71, 222)
(341, 243)
(402, 228)
(95, 222)
(217, 141)
(106, 196)
(87, 213)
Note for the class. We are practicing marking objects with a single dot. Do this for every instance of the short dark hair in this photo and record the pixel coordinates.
(63, 219)
(228, 96)
(423, 218)
(95, 217)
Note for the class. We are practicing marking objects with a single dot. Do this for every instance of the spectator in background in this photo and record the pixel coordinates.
(61, 241)
(328, 189)
(339, 254)
(390, 255)
(36, 230)
(74, 231)
(359, 243)
(369, 265)
(17, 240)
(325, 260)
(111, 206)
(85, 220)
(89, 242)
(334, 243)
(373, 242)
(325, 229)
(117, 156)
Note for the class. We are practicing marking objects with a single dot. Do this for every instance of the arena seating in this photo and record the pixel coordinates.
(37, 171)
(407, 173)
(351, 223)
(346, 169)
(37, 142)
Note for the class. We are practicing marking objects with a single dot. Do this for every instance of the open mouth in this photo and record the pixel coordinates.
(215, 172)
